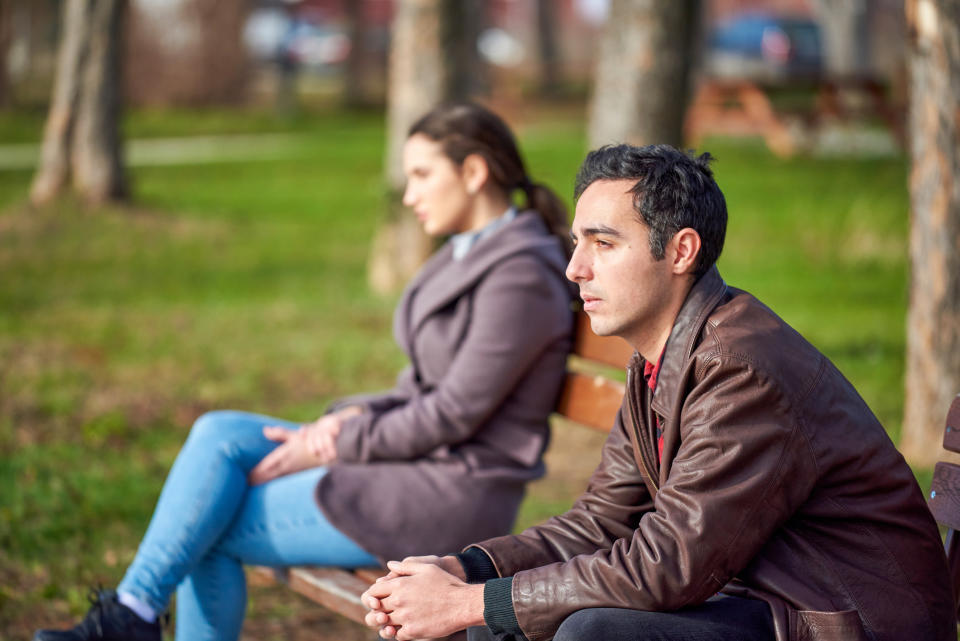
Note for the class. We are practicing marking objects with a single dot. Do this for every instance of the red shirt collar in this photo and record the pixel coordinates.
(652, 370)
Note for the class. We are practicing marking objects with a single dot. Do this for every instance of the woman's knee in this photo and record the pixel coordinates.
(214, 426)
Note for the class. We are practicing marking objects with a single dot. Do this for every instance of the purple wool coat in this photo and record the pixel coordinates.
(442, 459)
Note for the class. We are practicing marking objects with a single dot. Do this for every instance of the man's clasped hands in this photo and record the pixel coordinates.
(423, 597)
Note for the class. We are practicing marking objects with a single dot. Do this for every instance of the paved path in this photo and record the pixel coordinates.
(175, 151)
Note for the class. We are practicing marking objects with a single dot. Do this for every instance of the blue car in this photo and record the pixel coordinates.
(765, 47)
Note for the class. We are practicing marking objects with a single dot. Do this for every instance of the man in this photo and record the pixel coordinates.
(745, 492)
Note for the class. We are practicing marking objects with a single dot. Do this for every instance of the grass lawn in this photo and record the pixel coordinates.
(241, 284)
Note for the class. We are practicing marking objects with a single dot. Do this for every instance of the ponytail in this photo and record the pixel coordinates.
(551, 209)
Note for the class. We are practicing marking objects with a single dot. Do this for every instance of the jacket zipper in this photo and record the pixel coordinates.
(636, 430)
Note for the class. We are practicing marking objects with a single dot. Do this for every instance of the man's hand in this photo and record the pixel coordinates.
(448, 564)
(312, 445)
(419, 600)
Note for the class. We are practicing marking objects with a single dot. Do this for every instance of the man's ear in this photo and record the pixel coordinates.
(686, 248)
(475, 172)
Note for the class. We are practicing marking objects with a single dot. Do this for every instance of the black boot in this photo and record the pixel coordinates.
(106, 620)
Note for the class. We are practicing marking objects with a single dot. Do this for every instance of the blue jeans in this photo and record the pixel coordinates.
(209, 522)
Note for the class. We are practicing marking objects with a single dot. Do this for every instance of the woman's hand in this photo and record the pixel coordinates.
(292, 455)
(312, 445)
(322, 433)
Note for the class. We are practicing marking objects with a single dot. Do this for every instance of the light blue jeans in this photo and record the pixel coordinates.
(209, 522)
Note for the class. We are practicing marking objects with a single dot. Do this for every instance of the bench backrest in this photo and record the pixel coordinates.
(945, 495)
(592, 399)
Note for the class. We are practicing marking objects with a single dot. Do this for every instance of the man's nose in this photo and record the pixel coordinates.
(577, 269)
(408, 199)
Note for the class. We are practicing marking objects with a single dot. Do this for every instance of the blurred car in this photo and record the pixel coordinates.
(315, 46)
(295, 41)
(765, 47)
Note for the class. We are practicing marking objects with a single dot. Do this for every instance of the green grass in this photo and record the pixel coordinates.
(241, 284)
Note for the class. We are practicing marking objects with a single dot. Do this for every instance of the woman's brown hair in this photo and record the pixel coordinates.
(466, 128)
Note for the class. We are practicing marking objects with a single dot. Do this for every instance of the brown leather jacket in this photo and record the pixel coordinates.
(777, 483)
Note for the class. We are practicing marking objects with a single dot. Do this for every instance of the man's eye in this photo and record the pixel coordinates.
(603, 243)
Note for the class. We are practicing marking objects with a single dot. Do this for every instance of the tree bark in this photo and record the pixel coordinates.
(354, 82)
(420, 77)
(549, 52)
(81, 139)
(97, 164)
(6, 39)
(643, 72)
(933, 319)
(53, 173)
(843, 24)
(464, 74)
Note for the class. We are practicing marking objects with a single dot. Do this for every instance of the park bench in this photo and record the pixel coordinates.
(945, 496)
(590, 398)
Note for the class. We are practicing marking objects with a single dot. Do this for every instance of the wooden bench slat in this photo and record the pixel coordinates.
(608, 350)
(370, 574)
(944, 500)
(335, 589)
(951, 435)
(592, 401)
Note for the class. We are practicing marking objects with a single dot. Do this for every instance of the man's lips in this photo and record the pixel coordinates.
(589, 302)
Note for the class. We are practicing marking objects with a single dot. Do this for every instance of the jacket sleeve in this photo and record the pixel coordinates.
(610, 509)
(743, 467)
(519, 309)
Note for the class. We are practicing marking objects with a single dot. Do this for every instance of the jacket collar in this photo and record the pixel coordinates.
(704, 296)
(524, 234)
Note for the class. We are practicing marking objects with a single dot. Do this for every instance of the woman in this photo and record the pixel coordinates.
(435, 463)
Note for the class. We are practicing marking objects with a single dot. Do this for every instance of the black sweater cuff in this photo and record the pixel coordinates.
(498, 612)
(477, 565)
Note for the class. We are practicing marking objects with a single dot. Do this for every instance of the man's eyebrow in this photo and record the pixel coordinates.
(600, 230)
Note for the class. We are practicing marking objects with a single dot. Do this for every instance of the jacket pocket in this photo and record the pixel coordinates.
(810, 625)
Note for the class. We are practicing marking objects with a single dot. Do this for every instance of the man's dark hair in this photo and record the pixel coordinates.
(673, 190)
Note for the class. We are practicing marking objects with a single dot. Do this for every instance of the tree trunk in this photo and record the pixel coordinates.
(464, 74)
(354, 82)
(420, 77)
(643, 71)
(843, 24)
(97, 164)
(549, 52)
(6, 40)
(53, 173)
(933, 320)
(81, 136)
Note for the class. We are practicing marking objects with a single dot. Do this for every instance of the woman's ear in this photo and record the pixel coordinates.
(475, 172)
(686, 249)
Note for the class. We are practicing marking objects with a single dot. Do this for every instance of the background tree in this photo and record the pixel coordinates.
(843, 24)
(81, 142)
(429, 63)
(6, 38)
(643, 72)
(549, 51)
(933, 319)
(354, 82)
